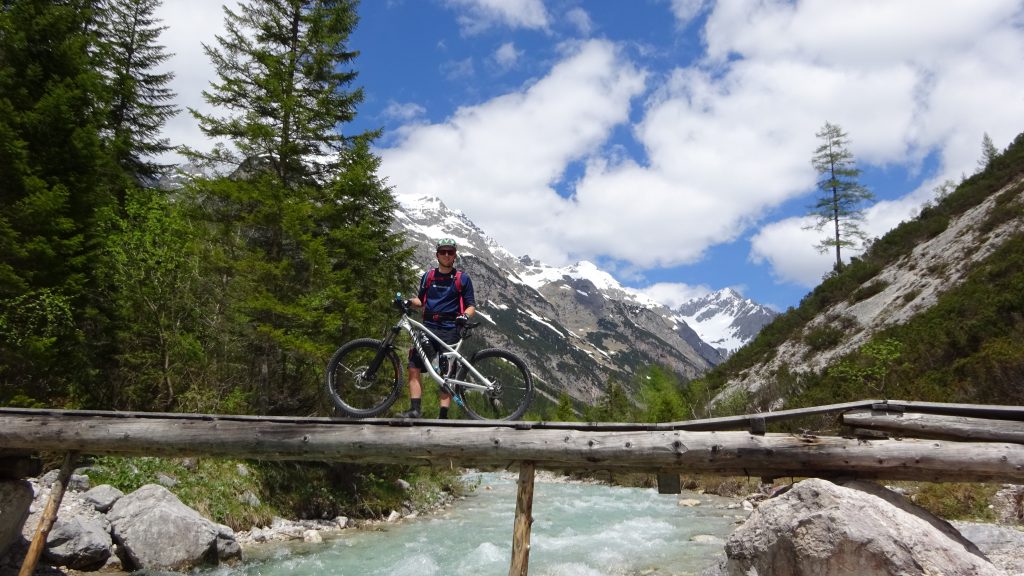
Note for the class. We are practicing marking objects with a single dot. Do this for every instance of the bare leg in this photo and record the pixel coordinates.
(415, 388)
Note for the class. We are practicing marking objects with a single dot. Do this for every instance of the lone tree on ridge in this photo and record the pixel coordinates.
(841, 194)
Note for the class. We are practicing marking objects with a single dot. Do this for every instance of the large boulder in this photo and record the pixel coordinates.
(818, 528)
(15, 501)
(81, 542)
(156, 531)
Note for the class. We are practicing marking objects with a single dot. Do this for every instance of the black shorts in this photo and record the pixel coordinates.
(449, 335)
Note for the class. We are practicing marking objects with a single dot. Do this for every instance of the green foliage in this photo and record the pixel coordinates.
(957, 500)
(868, 290)
(305, 249)
(52, 199)
(841, 194)
(138, 106)
(210, 486)
(564, 412)
(823, 337)
(614, 406)
(302, 490)
(661, 396)
(156, 264)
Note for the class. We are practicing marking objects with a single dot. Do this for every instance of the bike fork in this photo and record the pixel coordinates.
(381, 352)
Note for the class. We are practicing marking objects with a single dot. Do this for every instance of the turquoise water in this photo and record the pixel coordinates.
(578, 530)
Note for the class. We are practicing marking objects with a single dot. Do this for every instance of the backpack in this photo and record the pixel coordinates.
(458, 289)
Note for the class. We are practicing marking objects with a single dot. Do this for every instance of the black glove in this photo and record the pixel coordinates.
(461, 320)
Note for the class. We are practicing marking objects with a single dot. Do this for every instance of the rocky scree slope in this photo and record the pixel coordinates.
(897, 293)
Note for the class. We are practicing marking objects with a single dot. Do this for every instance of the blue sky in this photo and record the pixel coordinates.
(668, 141)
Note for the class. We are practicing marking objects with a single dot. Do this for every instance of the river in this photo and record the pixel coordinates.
(579, 529)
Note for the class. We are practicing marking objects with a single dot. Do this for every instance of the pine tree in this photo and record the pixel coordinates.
(564, 411)
(53, 199)
(841, 194)
(303, 221)
(988, 152)
(140, 99)
(282, 66)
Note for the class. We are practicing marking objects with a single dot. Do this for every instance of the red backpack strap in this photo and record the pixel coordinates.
(458, 288)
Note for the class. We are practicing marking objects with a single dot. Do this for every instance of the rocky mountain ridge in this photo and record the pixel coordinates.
(895, 295)
(576, 326)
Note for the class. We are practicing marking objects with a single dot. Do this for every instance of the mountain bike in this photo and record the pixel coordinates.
(364, 377)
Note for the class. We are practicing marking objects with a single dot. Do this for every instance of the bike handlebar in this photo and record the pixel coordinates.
(403, 306)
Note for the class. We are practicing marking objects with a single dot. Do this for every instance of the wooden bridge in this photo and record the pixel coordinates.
(883, 439)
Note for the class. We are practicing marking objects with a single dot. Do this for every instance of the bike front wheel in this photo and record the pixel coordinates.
(355, 387)
(512, 388)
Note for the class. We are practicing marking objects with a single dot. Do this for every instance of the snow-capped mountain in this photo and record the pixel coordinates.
(725, 319)
(576, 326)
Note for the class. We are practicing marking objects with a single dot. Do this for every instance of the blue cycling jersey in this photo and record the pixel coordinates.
(441, 300)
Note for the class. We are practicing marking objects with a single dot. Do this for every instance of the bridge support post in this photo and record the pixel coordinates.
(49, 515)
(523, 521)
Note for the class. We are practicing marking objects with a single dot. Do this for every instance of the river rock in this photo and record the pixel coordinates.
(15, 502)
(1003, 545)
(102, 497)
(819, 528)
(81, 542)
(228, 548)
(158, 532)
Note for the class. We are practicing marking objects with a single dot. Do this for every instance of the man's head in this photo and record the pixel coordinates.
(446, 251)
(446, 244)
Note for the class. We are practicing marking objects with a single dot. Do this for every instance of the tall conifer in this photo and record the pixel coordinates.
(282, 98)
(52, 199)
(140, 98)
(841, 196)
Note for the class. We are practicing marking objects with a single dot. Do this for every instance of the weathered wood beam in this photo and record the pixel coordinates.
(35, 549)
(938, 426)
(728, 453)
(520, 565)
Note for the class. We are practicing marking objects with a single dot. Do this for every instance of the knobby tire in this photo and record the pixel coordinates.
(352, 392)
(513, 378)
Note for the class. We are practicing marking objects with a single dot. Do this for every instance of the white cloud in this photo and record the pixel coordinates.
(725, 141)
(498, 161)
(674, 294)
(458, 69)
(579, 18)
(686, 10)
(506, 56)
(479, 15)
(404, 111)
(788, 246)
(192, 69)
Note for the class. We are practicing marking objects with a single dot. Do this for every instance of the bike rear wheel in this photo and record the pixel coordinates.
(356, 392)
(513, 386)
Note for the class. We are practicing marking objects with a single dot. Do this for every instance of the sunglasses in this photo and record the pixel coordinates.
(446, 252)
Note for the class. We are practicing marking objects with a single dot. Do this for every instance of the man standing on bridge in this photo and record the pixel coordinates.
(446, 296)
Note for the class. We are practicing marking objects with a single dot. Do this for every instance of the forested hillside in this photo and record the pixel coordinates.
(225, 295)
(932, 311)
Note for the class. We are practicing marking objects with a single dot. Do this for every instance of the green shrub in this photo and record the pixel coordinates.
(957, 500)
(823, 337)
(867, 291)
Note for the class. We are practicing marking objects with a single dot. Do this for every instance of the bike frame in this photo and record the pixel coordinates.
(413, 327)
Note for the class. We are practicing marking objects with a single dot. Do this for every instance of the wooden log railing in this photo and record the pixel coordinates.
(975, 443)
(486, 444)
